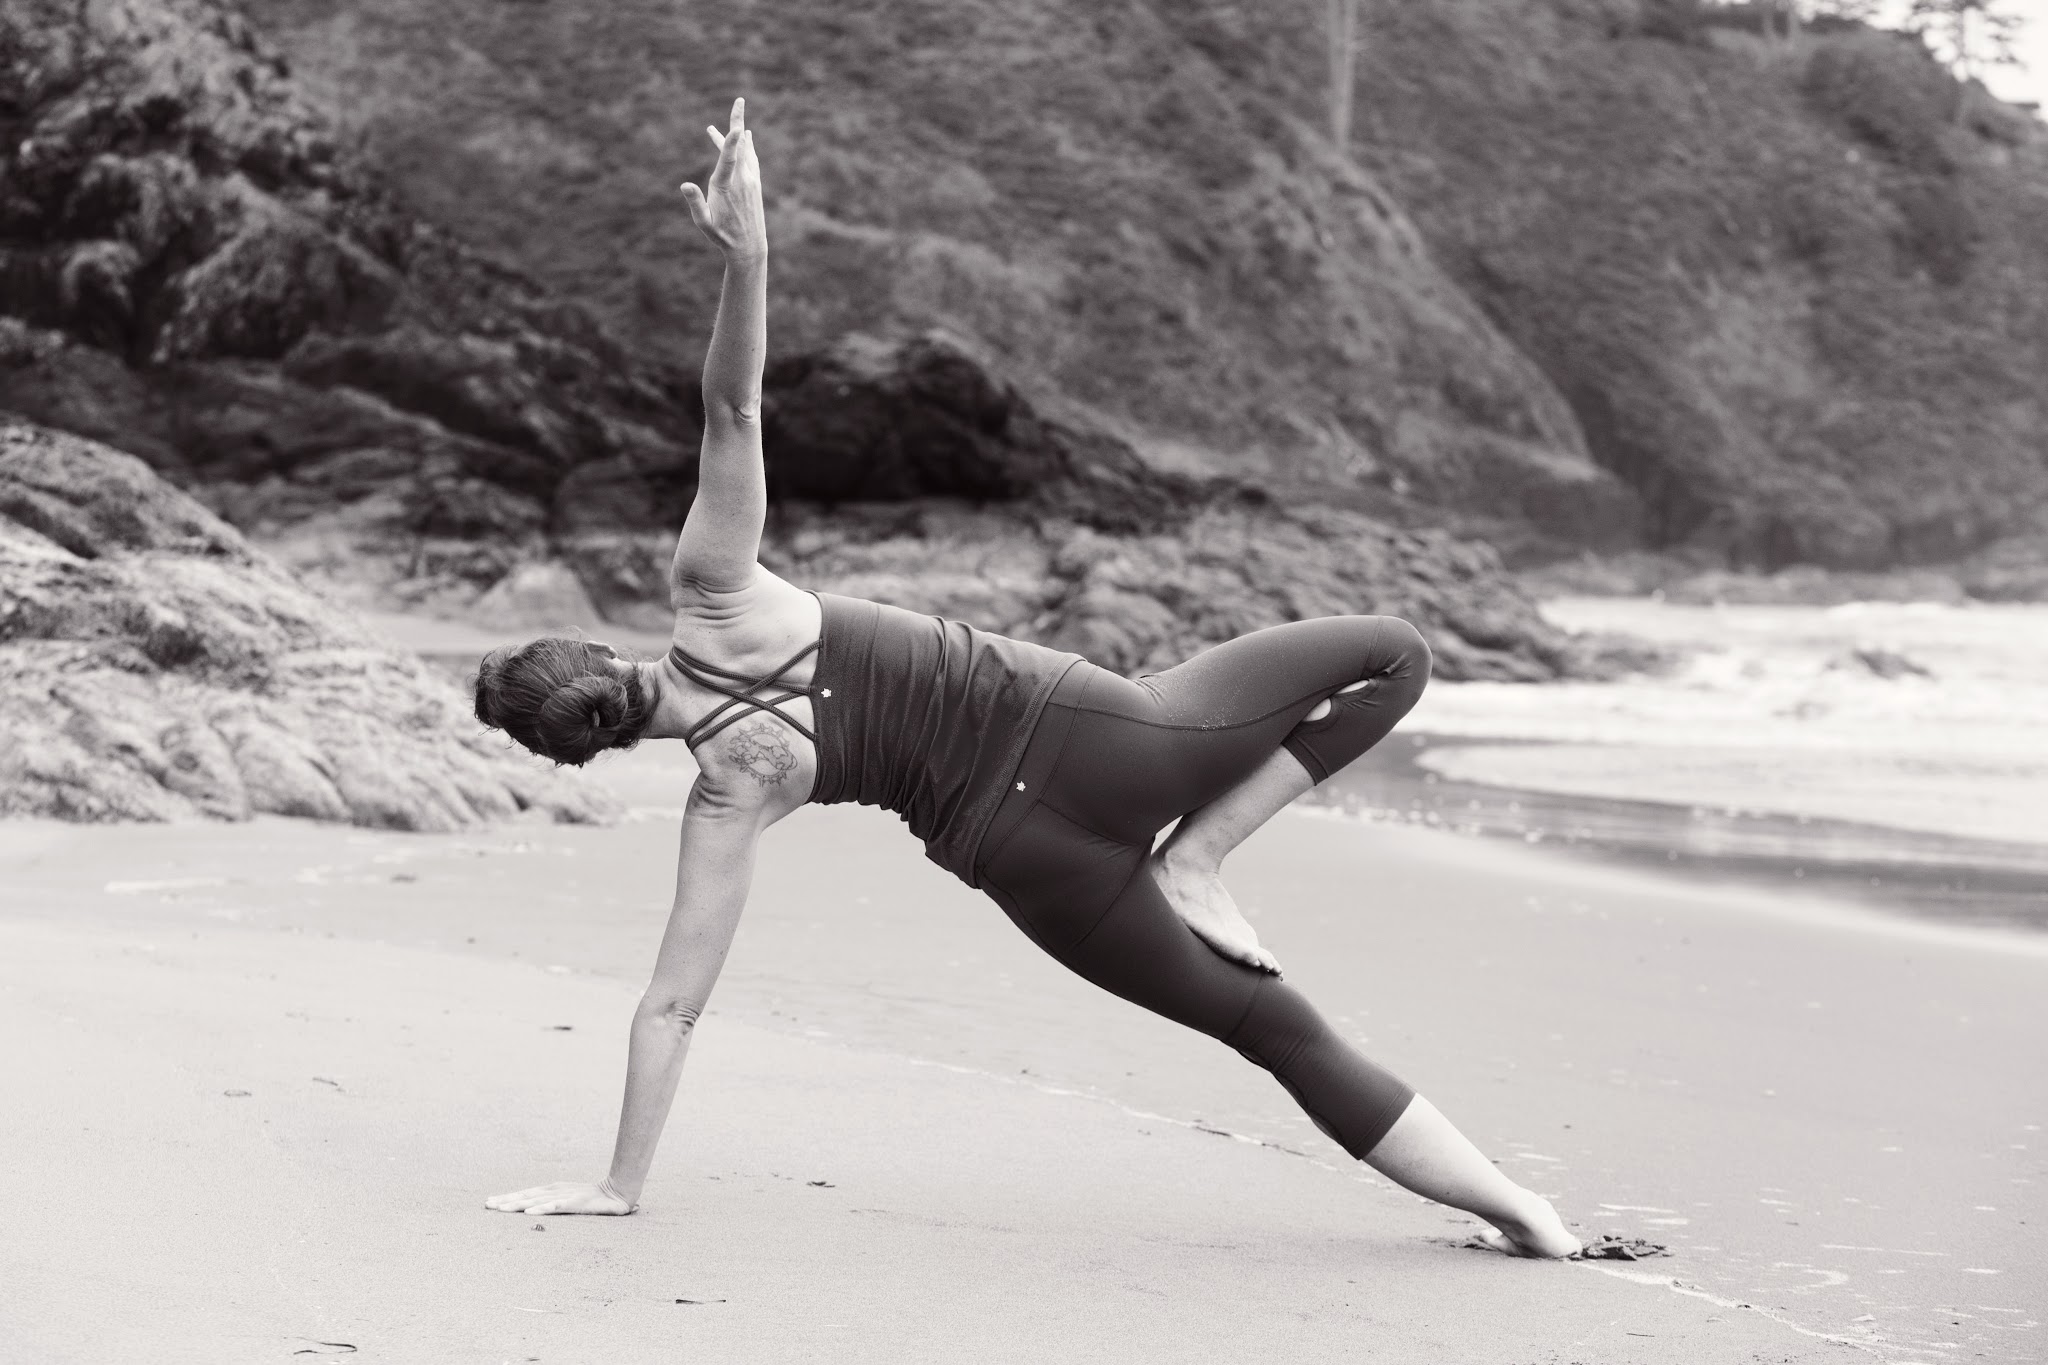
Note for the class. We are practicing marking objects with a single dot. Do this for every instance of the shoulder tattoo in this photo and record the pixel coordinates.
(760, 748)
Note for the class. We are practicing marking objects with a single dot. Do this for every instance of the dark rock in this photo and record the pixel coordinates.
(871, 420)
(1881, 663)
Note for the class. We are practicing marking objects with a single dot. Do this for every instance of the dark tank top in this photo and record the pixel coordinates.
(926, 717)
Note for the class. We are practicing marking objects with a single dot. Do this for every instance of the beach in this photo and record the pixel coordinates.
(345, 343)
(277, 1067)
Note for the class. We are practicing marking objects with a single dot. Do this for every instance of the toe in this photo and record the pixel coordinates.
(1499, 1241)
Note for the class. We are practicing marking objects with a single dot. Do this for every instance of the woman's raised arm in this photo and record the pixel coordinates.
(721, 536)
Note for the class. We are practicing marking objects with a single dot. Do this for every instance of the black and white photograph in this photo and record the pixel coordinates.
(668, 668)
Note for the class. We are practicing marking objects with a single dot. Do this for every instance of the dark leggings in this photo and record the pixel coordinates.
(1112, 762)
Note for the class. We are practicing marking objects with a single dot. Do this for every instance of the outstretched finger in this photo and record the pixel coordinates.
(738, 122)
(728, 155)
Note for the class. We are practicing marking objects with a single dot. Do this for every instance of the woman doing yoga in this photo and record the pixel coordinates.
(1030, 773)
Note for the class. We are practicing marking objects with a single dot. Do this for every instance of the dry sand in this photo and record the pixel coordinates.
(1835, 1119)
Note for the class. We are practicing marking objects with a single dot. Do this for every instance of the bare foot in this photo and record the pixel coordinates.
(1539, 1232)
(1199, 897)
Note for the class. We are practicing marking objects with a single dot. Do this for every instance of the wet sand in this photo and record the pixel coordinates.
(1415, 779)
(1835, 1118)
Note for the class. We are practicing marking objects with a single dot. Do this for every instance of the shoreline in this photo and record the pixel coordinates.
(1931, 877)
(1889, 753)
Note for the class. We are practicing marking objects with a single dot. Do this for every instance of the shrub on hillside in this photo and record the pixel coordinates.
(1675, 21)
(1937, 230)
(1888, 92)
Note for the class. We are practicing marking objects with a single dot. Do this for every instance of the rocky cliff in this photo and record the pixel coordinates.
(1796, 294)
(200, 267)
(156, 667)
(1590, 272)
(197, 270)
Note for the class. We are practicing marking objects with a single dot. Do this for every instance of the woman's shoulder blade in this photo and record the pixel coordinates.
(759, 763)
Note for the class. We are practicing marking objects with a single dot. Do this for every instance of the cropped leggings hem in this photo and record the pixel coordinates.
(1112, 761)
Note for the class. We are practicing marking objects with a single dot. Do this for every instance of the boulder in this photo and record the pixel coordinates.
(874, 420)
(2012, 570)
(544, 594)
(158, 667)
(1879, 662)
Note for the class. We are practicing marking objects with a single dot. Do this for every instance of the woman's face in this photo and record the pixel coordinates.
(625, 665)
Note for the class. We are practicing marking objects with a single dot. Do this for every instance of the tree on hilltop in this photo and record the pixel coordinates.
(1768, 13)
(1964, 35)
(1343, 43)
(1968, 35)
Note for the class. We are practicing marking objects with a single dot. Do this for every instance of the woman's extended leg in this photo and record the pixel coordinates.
(1047, 876)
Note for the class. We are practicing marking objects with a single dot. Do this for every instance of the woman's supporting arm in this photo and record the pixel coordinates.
(722, 825)
(713, 874)
(721, 536)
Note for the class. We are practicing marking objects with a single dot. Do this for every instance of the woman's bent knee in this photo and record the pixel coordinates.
(1398, 651)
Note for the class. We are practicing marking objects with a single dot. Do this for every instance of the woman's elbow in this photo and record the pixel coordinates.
(734, 414)
(669, 1012)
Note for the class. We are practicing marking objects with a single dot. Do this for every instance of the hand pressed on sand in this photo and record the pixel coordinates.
(563, 1196)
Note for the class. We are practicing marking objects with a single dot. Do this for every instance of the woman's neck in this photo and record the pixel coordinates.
(666, 719)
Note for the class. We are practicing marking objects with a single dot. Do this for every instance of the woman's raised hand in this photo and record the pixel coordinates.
(728, 209)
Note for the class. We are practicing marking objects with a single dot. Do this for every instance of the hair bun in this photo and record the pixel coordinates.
(566, 700)
(585, 715)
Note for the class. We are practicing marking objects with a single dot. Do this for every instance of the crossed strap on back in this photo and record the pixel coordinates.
(697, 669)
